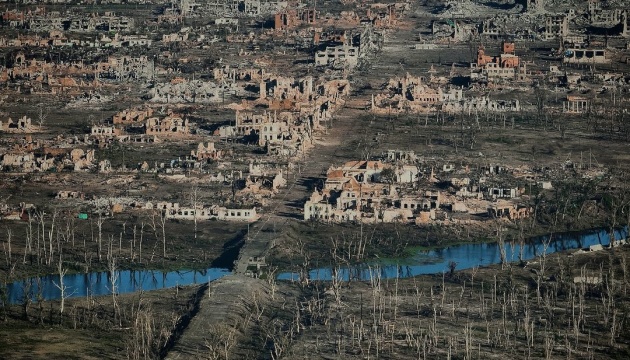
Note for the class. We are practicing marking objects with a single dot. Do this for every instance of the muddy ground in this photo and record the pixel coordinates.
(141, 325)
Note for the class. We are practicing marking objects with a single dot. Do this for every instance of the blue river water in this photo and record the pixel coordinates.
(466, 256)
(423, 262)
(99, 283)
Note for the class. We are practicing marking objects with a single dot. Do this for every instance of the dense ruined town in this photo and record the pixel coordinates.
(352, 179)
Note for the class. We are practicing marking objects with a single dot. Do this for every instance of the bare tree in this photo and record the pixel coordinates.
(113, 278)
(28, 250)
(220, 341)
(42, 115)
(194, 202)
(100, 220)
(8, 248)
(51, 234)
(61, 286)
(40, 299)
(27, 293)
(163, 227)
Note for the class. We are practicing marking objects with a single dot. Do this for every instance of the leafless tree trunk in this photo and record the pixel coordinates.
(140, 242)
(51, 233)
(113, 278)
(4, 300)
(62, 288)
(41, 117)
(194, 202)
(222, 338)
(501, 244)
(163, 227)
(26, 297)
(29, 238)
(40, 300)
(8, 249)
(100, 219)
(41, 236)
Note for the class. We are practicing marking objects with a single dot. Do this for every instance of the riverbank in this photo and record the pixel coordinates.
(552, 308)
(135, 325)
(301, 245)
(249, 318)
(465, 256)
(216, 245)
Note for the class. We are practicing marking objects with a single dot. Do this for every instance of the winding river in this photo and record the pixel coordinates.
(99, 283)
(423, 262)
(464, 256)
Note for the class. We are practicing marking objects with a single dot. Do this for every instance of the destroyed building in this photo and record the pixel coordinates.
(556, 27)
(292, 18)
(576, 105)
(126, 67)
(21, 125)
(169, 126)
(130, 116)
(412, 94)
(338, 56)
(352, 193)
(585, 56)
(206, 152)
(189, 91)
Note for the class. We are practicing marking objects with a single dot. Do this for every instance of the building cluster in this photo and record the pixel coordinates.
(400, 188)
(233, 94)
(40, 20)
(416, 94)
(27, 156)
(292, 111)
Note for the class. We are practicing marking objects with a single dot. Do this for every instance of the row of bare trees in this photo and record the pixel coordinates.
(48, 235)
(563, 315)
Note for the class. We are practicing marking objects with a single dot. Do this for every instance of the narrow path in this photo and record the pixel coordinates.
(220, 303)
(287, 205)
(218, 306)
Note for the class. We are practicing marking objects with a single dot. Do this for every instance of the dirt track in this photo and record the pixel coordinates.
(217, 306)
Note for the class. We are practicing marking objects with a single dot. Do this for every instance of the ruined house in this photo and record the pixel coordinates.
(338, 56)
(508, 210)
(329, 36)
(412, 94)
(104, 130)
(22, 125)
(349, 194)
(534, 5)
(556, 27)
(576, 105)
(130, 116)
(171, 125)
(405, 156)
(227, 73)
(262, 183)
(26, 162)
(243, 7)
(384, 15)
(506, 65)
(482, 104)
(201, 213)
(597, 15)
(82, 160)
(126, 67)
(69, 194)
(585, 56)
(174, 38)
(208, 152)
(189, 91)
(507, 193)
(292, 18)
